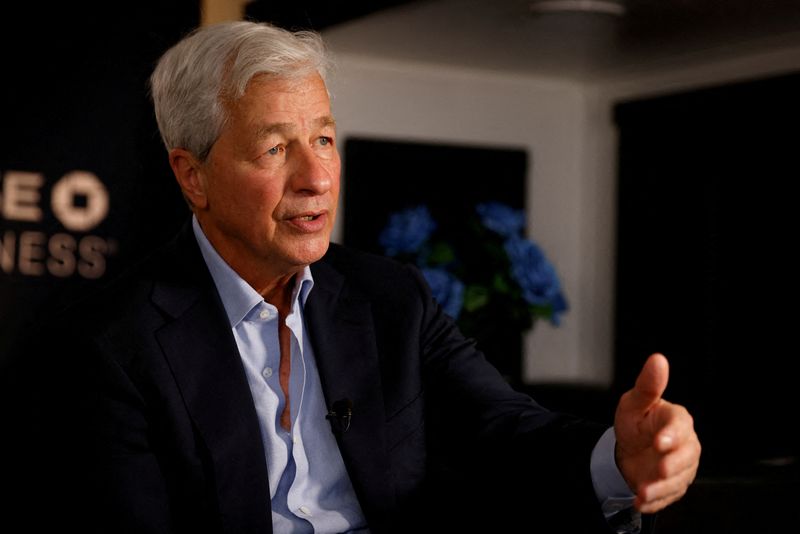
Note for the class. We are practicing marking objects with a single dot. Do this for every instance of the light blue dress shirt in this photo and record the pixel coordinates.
(310, 490)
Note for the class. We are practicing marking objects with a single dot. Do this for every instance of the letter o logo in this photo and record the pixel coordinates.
(74, 216)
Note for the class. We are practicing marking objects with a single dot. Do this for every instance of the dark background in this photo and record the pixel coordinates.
(708, 275)
(383, 176)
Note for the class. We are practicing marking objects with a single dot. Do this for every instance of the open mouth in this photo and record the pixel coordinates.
(309, 222)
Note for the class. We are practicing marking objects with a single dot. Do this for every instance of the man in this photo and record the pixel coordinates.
(253, 377)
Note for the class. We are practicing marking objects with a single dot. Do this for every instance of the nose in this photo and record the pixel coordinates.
(313, 175)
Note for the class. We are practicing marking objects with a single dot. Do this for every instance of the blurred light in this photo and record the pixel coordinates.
(609, 7)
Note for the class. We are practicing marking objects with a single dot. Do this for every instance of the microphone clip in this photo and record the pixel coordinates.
(340, 415)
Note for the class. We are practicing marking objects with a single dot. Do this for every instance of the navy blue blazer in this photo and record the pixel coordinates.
(148, 424)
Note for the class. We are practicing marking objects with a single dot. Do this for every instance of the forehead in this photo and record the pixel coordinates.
(301, 95)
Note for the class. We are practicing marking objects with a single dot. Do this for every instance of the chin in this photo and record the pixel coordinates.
(308, 253)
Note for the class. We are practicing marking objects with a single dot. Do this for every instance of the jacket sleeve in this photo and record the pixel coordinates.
(494, 453)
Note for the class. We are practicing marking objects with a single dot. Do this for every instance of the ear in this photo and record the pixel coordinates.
(188, 172)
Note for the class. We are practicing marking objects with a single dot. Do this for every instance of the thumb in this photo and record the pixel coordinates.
(651, 382)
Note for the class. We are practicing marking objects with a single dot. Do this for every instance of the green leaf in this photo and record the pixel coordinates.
(500, 284)
(544, 312)
(441, 254)
(475, 297)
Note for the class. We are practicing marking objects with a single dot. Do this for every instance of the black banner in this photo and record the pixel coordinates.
(85, 188)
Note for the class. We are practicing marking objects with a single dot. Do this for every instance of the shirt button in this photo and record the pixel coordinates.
(264, 314)
(295, 439)
(267, 372)
(305, 510)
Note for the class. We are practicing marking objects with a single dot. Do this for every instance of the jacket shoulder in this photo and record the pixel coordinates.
(374, 274)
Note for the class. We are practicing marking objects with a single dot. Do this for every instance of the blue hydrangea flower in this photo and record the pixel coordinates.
(446, 289)
(535, 275)
(407, 231)
(501, 218)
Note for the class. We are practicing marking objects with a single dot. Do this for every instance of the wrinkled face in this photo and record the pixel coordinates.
(271, 179)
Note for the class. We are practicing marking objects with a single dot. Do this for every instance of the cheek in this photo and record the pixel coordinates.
(335, 182)
(251, 195)
(335, 171)
(240, 187)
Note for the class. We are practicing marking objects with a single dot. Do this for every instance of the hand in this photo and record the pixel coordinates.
(658, 451)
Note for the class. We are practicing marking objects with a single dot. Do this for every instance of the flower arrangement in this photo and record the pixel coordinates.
(486, 274)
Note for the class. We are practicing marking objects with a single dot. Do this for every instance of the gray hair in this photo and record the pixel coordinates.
(213, 65)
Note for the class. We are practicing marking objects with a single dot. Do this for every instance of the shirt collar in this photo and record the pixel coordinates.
(238, 297)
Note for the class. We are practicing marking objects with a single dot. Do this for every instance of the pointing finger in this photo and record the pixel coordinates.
(675, 426)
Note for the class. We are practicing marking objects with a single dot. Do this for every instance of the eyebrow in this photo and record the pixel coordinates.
(283, 127)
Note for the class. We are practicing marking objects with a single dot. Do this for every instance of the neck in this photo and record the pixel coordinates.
(278, 293)
(269, 277)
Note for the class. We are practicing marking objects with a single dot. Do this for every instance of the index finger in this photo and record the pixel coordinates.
(674, 426)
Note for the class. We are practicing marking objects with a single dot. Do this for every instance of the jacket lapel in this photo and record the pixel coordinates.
(204, 360)
(341, 331)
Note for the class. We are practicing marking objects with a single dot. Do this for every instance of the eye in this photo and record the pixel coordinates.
(325, 141)
(274, 151)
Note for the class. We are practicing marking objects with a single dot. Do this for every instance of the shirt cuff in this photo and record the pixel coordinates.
(610, 487)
